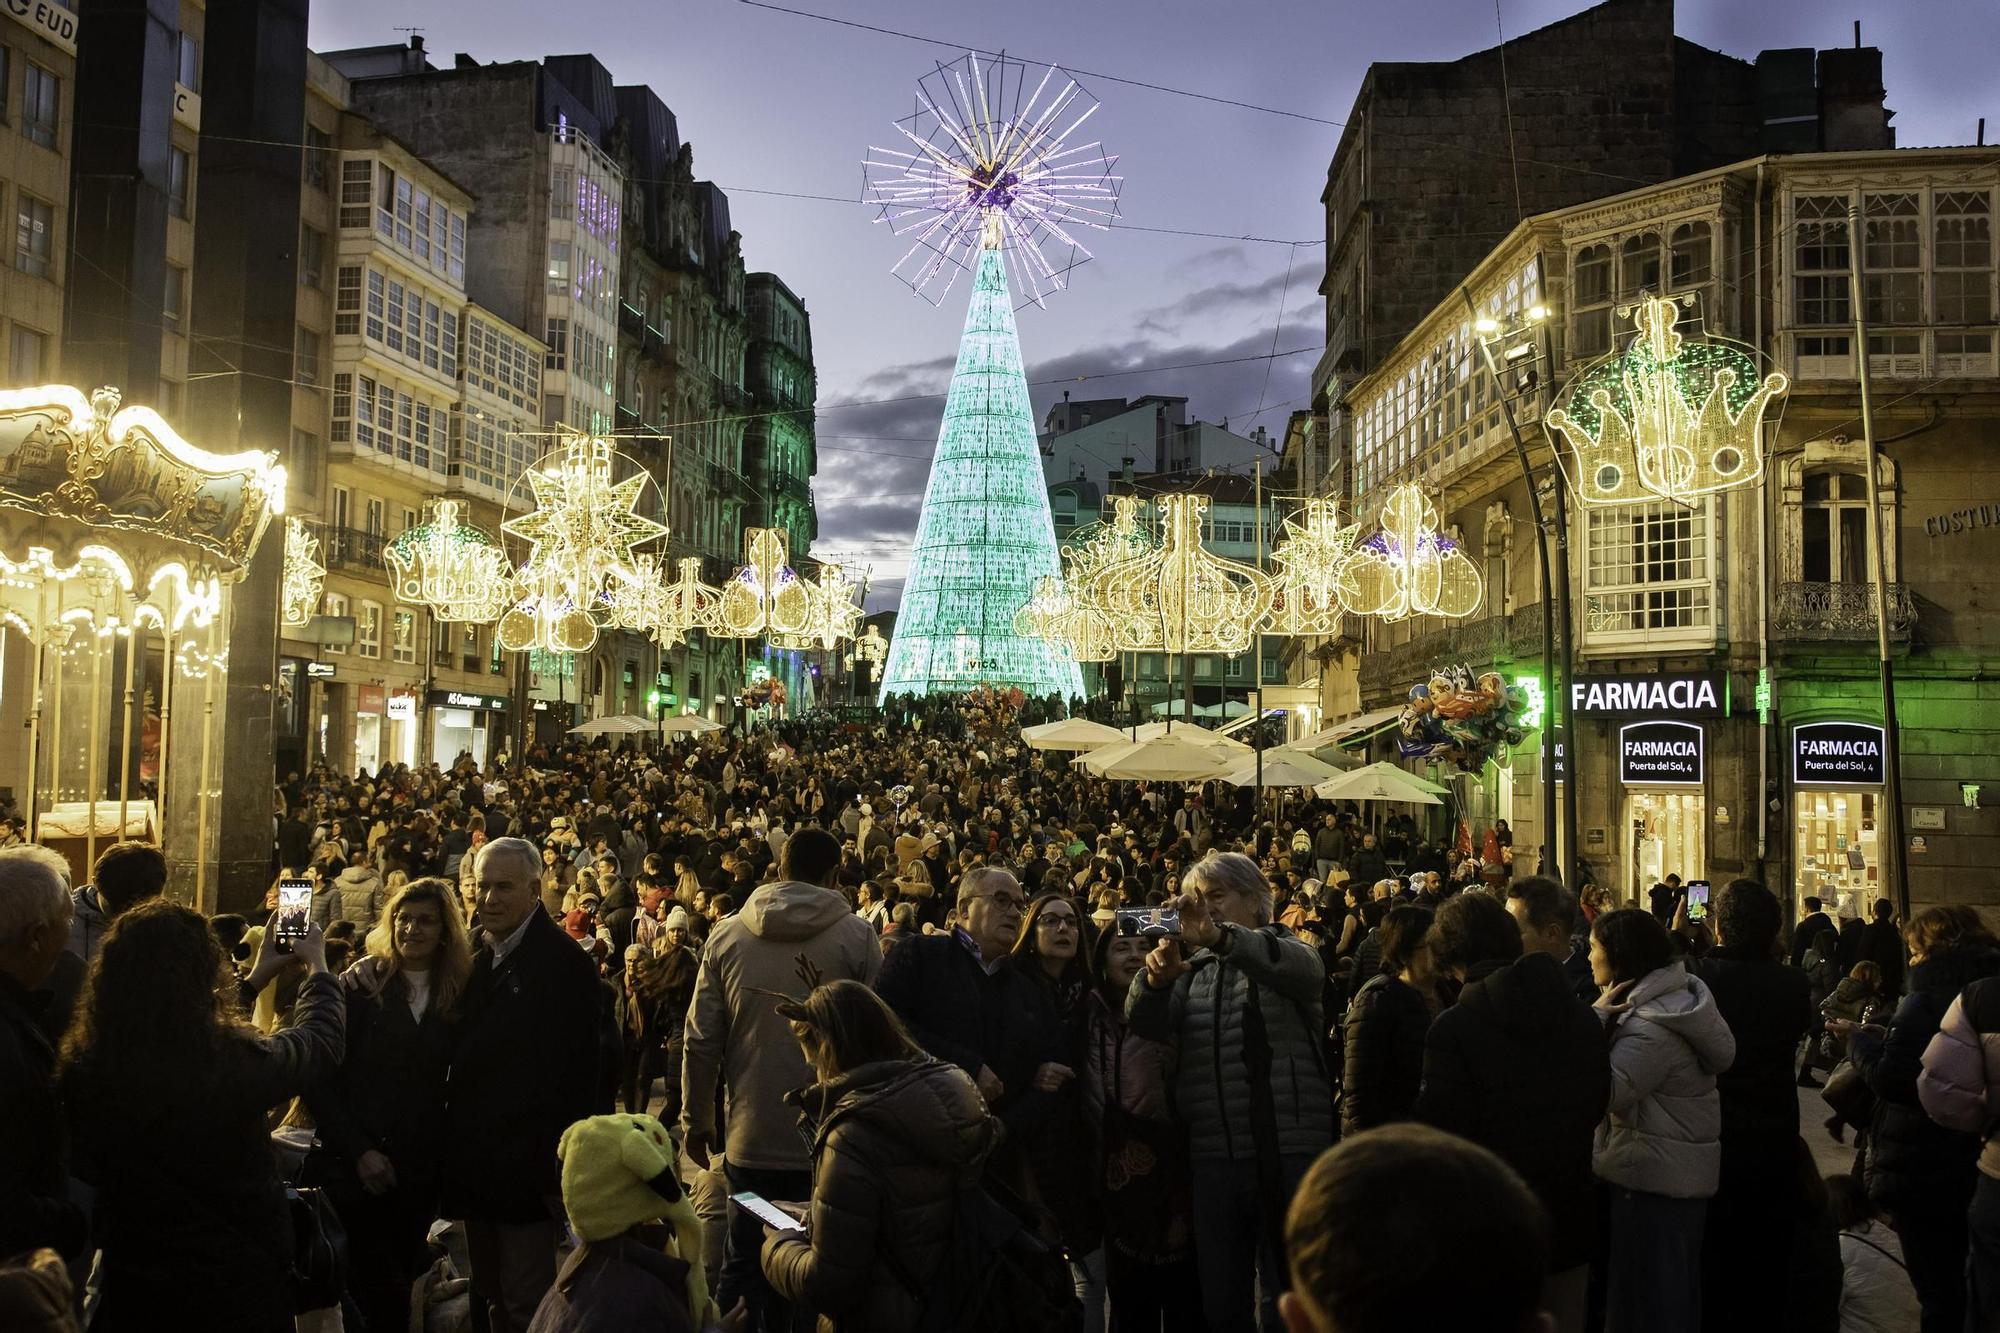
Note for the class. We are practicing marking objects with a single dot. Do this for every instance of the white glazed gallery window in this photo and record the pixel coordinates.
(1649, 574)
(403, 636)
(368, 630)
(336, 606)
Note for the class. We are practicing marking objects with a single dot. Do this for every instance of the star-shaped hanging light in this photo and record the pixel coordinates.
(582, 536)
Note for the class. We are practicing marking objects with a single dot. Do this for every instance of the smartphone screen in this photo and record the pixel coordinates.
(294, 911)
(1149, 922)
(1697, 892)
(766, 1211)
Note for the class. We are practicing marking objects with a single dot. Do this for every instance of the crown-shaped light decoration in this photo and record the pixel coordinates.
(1409, 568)
(1071, 611)
(766, 596)
(124, 469)
(304, 574)
(1315, 550)
(1671, 415)
(833, 614)
(450, 566)
(690, 604)
(582, 532)
(1055, 613)
(1178, 598)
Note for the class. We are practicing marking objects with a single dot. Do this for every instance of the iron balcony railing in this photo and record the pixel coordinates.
(1839, 612)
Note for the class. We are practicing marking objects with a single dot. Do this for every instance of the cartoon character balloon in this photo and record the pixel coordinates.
(1464, 720)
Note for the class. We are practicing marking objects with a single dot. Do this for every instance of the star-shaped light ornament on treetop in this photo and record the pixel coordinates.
(581, 534)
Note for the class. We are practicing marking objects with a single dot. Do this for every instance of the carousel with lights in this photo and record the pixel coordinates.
(120, 545)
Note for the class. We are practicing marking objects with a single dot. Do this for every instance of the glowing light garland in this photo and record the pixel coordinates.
(988, 167)
(304, 575)
(766, 596)
(1408, 568)
(1667, 416)
(833, 614)
(581, 533)
(1178, 598)
(449, 566)
(1312, 558)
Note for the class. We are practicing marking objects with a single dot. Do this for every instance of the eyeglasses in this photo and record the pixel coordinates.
(1004, 901)
(1048, 922)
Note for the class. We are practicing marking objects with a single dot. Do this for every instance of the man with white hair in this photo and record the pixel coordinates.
(1244, 1015)
(35, 911)
(524, 1070)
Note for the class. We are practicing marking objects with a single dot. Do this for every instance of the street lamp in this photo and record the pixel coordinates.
(1517, 334)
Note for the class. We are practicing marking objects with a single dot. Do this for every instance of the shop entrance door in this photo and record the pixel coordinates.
(1839, 859)
(1664, 832)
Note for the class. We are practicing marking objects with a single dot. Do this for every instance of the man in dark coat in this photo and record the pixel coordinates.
(1808, 929)
(1520, 1065)
(35, 1209)
(524, 1070)
(1768, 1007)
(1367, 865)
(1882, 945)
(963, 1005)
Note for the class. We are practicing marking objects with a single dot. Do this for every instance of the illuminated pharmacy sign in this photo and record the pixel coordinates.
(1661, 754)
(1679, 694)
(1837, 754)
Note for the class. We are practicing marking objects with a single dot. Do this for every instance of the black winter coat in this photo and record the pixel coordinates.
(894, 1144)
(1521, 1066)
(1806, 932)
(1385, 1031)
(968, 1017)
(524, 1068)
(1914, 1163)
(35, 1210)
(1882, 944)
(190, 1211)
(388, 1094)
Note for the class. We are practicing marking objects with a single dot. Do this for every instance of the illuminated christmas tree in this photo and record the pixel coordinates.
(984, 536)
(988, 180)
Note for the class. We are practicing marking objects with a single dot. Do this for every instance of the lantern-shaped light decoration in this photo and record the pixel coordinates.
(832, 615)
(450, 566)
(1178, 598)
(1675, 415)
(1409, 568)
(689, 604)
(304, 574)
(1311, 557)
(582, 532)
(766, 596)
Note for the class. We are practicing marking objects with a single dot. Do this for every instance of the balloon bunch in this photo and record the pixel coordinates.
(1463, 720)
(763, 693)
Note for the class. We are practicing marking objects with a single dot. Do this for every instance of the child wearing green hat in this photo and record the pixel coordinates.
(638, 1268)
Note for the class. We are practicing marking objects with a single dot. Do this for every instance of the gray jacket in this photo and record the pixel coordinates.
(1202, 1013)
(1663, 1133)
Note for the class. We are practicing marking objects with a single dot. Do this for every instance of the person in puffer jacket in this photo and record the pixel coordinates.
(896, 1137)
(358, 894)
(1251, 1137)
(1918, 1171)
(1960, 1088)
(1660, 1146)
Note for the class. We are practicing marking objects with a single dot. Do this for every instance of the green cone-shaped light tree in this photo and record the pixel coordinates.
(984, 535)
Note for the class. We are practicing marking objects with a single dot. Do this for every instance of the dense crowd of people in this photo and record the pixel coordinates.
(906, 1026)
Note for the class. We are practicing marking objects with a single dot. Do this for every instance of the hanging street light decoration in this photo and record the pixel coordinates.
(1311, 559)
(690, 604)
(450, 567)
(870, 647)
(581, 534)
(766, 596)
(832, 615)
(1178, 598)
(304, 575)
(1409, 568)
(1674, 415)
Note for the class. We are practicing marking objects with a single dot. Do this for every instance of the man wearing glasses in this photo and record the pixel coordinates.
(963, 1005)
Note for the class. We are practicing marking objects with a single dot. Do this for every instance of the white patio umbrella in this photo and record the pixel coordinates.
(1162, 759)
(1282, 768)
(692, 724)
(600, 726)
(1072, 733)
(1381, 782)
(634, 723)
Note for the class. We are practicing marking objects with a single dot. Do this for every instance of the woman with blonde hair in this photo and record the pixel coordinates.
(381, 1115)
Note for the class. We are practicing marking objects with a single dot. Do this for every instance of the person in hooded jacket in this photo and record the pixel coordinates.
(1917, 1171)
(897, 1136)
(1521, 1066)
(790, 938)
(1768, 1007)
(1660, 1147)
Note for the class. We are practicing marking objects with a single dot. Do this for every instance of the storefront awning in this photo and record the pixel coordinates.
(1354, 731)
